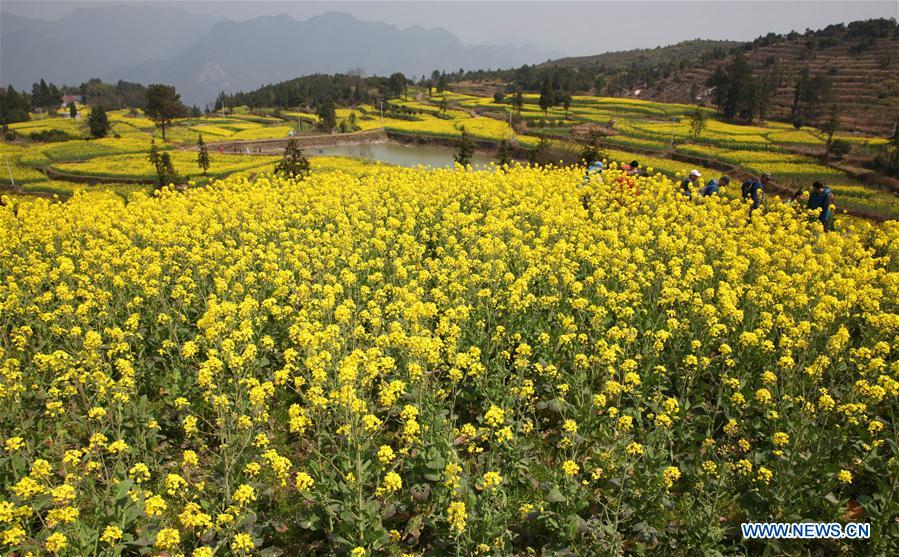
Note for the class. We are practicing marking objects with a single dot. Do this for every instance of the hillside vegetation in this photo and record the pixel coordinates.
(855, 68)
(862, 63)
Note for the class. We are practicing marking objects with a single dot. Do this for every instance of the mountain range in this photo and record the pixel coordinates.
(202, 55)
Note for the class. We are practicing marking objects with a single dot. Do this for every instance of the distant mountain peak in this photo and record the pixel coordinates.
(204, 55)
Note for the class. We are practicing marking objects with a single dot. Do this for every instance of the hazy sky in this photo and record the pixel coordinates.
(571, 28)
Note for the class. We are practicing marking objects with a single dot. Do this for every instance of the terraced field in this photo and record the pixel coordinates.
(643, 130)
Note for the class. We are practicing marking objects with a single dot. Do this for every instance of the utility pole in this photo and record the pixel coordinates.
(11, 179)
(381, 103)
(673, 120)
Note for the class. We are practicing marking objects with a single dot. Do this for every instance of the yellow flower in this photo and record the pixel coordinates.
(490, 480)
(845, 476)
(243, 495)
(111, 534)
(634, 449)
(242, 543)
(13, 444)
(304, 481)
(56, 542)
(154, 506)
(386, 454)
(167, 539)
(570, 468)
(392, 482)
(495, 416)
(456, 516)
(670, 476)
(780, 439)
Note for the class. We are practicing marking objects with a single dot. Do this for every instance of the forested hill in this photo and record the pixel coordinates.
(853, 68)
(662, 58)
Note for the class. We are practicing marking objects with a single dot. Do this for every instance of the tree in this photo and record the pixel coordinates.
(592, 151)
(566, 104)
(203, 155)
(504, 153)
(294, 164)
(839, 148)
(547, 97)
(465, 149)
(734, 88)
(98, 122)
(540, 154)
(888, 158)
(830, 127)
(45, 96)
(162, 163)
(697, 122)
(163, 105)
(396, 84)
(518, 101)
(443, 104)
(73, 110)
(14, 107)
(327, 115)
(812, 93)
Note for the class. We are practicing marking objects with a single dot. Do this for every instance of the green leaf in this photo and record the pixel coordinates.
(555, 496)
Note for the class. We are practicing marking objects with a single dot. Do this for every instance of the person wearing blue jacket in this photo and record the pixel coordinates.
(714, 186)
(821, 198)
(753, 190)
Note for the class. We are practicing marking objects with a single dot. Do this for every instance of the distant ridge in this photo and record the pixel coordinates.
(202, 56)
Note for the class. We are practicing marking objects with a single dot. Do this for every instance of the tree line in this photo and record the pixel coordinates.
(15, 106)
(313, 90)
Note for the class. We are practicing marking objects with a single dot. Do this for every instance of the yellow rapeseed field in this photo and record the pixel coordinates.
(389, 361)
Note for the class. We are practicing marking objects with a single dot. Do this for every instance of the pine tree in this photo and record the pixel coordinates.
(830, 127)
(540, 154)
(566, 104)
(518, 101)
(165, 173)
(592, 150)
(162, 164)
(465, 149)
(327, 115)
(697, 122)
(504, 153)
(203, 155)
(294, 164)
(98, 122)
(547, 96)
(164, 105)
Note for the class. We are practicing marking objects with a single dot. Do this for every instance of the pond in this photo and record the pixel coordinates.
(400, 154)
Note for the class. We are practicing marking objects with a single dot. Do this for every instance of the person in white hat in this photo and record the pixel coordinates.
(689, 182)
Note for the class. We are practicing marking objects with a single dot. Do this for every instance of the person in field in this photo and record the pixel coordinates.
(595, 169)
(689, 182)
(633, 169)
(753, 189)
(821, 198)
(796, 198)
(714, 186)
